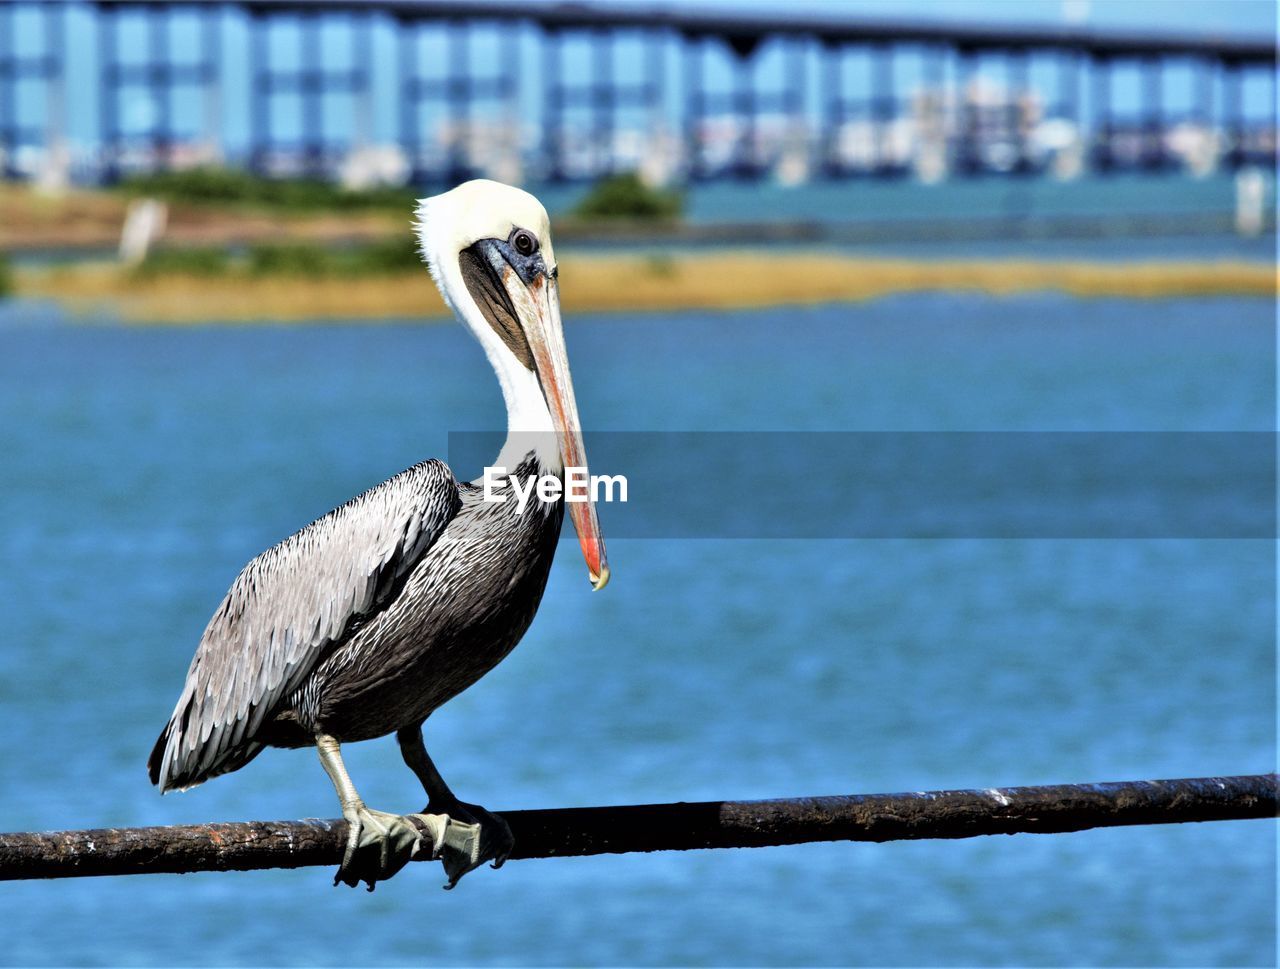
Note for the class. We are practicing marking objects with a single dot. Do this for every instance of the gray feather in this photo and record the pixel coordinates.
(289, 609)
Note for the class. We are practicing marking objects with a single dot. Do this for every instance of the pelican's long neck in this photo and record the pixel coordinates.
(529, 426)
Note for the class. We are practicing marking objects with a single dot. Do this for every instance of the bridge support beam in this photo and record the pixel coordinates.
(1102, 155)
(1154, 158)
(695, 106)
(884, 109)
(969, 134)
(1018, 112)
(587, 100)
(1233, 120)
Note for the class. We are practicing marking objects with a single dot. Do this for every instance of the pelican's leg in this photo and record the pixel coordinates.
(378, 844)
(472, 835)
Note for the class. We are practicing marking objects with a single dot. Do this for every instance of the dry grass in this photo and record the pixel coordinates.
(749, 279)
(29, 219)
(630, 282)
(67, 220)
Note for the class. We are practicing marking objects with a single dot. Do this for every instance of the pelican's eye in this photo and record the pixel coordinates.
(524, 242)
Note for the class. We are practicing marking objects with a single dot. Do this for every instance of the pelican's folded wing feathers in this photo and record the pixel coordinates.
(288, 609)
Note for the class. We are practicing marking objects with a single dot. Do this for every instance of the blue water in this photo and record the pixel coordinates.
(141, 468)
(852, 200)
(1110, 204)
(1191, 247)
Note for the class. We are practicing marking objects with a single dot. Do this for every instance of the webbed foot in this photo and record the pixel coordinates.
(380, 844)
(471, 837)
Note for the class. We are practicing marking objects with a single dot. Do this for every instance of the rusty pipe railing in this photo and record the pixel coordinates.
(564, 832)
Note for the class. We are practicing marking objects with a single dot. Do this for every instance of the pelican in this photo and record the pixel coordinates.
(368, 619)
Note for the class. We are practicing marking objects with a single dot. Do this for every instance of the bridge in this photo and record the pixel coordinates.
(439, 90)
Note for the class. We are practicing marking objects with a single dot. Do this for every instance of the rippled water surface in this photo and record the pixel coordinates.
(142, 468)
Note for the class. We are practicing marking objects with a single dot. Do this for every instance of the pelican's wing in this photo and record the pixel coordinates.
(288, 609)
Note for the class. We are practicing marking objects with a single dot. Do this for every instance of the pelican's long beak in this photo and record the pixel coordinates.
(537, 306)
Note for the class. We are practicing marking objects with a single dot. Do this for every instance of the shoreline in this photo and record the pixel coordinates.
(88, 220)
(624, 283)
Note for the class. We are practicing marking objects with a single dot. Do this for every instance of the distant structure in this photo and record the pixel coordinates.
(544, 91)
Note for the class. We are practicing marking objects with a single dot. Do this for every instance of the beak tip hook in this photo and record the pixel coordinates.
(601, 580)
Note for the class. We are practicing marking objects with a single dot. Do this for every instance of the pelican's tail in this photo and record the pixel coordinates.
(171, 775)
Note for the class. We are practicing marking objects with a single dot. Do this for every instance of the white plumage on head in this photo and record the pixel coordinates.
(453, 221)
(481, 209)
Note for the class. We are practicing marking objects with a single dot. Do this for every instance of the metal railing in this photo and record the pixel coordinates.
(570, 832)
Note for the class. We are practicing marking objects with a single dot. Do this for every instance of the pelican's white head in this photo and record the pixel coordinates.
(488, 247)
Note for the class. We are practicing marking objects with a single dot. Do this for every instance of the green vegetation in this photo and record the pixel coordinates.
(290, 259)
(6, 278)
(385, 257)
(623, 196)
(304, 259)
(627, 197)
(224, 186)
(191, 262)
(388, 256)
